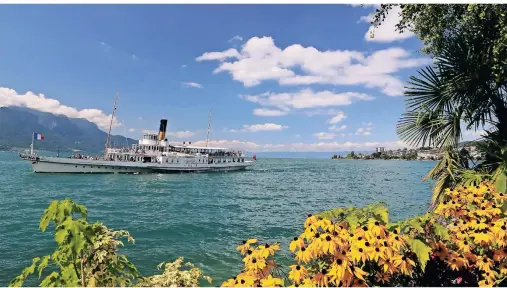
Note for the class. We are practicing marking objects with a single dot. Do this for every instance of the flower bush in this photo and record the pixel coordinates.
(461, 243)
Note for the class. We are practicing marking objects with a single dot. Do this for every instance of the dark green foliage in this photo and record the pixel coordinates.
(466, 85)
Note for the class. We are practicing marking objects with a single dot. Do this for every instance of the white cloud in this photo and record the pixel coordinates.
(261, 60)
(333, 146)
(106, 46)
(260, 127)
(306, 98)
(339, 117)
(192, 85)
(269, 112)
(181, 134)
(321, 112)
(139, 118)
(9, 97)
(366, 131)
(334, 128)
(369, 124)
(183, 66)
(132, 130)
(324, 135)
(230, 53)
(236, 38)
(387, 31)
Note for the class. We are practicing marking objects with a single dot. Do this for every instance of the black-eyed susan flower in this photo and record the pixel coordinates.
(268, 250)
(310, 220)
(321, 278)
(243, 248)
(455, 262)
(303, 255)
(484, 263)
(297, 273)
(404, 263)
(328, 244)
(382, 277)
(270, 281)
(296, 243)
(230, 282)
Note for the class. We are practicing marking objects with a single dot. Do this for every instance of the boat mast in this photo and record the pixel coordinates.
(209, 126)
(111, 124)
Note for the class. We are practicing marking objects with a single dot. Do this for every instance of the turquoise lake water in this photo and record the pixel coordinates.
(201, 216)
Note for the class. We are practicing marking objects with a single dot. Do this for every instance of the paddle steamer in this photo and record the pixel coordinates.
(153, 154)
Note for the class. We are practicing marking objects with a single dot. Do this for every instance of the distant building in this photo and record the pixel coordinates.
(380, 149)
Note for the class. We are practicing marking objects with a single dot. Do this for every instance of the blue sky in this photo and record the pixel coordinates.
(278, 77)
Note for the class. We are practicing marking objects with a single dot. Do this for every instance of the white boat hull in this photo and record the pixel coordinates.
(84, 166)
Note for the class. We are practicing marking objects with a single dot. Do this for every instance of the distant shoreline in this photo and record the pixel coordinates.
(385, 159)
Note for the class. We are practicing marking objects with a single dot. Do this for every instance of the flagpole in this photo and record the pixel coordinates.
(31, 149)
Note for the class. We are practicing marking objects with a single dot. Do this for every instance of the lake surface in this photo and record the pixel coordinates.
(201, 216)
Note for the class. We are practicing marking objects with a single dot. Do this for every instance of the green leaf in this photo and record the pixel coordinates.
(353, 221)
(18, 280)
(48, 214)
(50, 280)
(422, 250)
(43, 264)
(500, 183)
(441, 231)
(60, 235)
(416, 224)
(382, 212)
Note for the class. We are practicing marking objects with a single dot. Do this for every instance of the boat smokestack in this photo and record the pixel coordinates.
(162, 129)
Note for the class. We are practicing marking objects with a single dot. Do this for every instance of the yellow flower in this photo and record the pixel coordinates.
(484, 264)
(456, 262)
(297, 273)
(464, 245)
(307, 283)
(255, 263)
(338, 269)
(359, 273)
(246, 245)
(357, 254)
(310, 220)
(271, 282)
(303, 255)
(404, 263)
(374, 254)
(387, 266)
(296, 243)
(245, 280)
(481, 238)
(230, 282)
(328, 245)
(376, 228)
(321, 278)
(267, 250)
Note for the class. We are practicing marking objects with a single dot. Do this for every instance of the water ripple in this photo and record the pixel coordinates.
(201, 216)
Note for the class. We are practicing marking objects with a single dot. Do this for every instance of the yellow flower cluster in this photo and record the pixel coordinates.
(333, 254)
(467, 232)
(259, 266)
(478, 229)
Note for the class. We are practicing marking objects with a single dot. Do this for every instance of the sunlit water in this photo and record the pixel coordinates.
(201, 216)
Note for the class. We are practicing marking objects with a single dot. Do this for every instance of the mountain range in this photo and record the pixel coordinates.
(17, 126)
